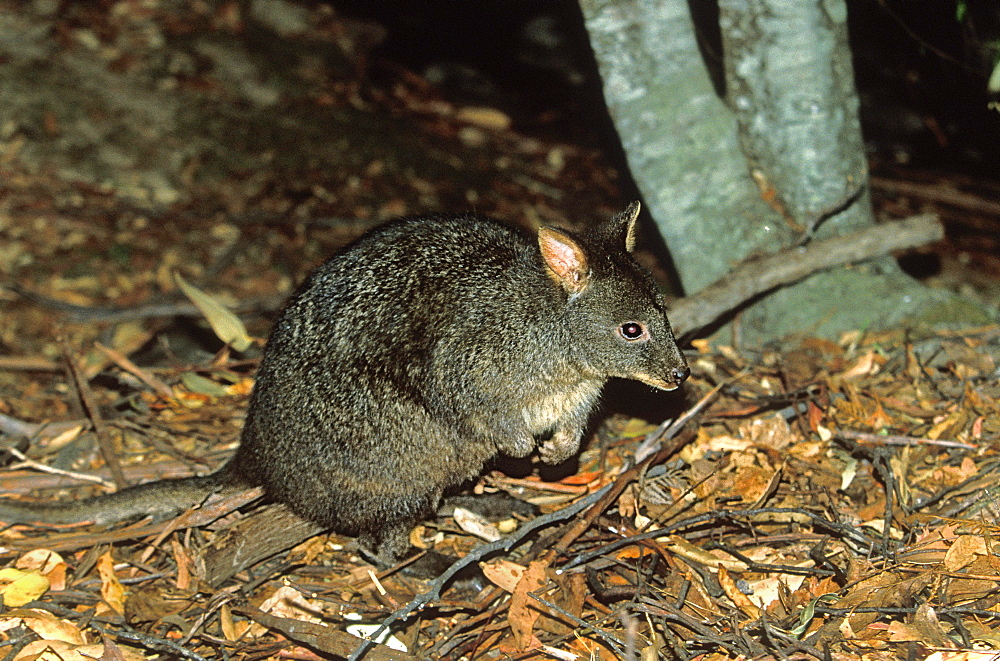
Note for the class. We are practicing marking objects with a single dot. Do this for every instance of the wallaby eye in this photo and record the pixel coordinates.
(632, 331)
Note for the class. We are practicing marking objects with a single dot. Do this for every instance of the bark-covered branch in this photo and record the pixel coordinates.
(754, 277)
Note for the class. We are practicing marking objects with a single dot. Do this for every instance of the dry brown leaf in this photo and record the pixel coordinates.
(48, 626)
(476, 525)
(523, 610)
(570, 597)
(183, 560)
(57, 650)
(112, 591)
(111, 651)
(926, 621)
(964, 552)
(980, 583)
(965, 655)
(867, 365)
(900, 633)
(755, 483)
(736, 596)
(226, 623)
(931, 547)
(288, 602)
(41, 560)
(503, 573)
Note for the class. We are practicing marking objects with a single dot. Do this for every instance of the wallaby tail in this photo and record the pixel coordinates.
(159, 500)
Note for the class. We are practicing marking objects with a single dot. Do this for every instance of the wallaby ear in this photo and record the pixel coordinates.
(623, 225)
(565, 260)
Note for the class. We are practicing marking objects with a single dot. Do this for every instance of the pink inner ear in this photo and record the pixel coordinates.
(562, 255)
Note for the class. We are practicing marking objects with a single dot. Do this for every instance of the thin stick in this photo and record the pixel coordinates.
(43, 468)
(94, 413)
(889, 439)
(123, 362)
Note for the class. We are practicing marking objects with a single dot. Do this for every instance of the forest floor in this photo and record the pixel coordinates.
(824, 499)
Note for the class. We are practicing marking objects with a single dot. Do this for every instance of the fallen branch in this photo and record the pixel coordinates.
(754, 277)
(259, 535)
(319, 637)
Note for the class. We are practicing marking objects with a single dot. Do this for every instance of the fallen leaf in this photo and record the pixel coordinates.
(899, 632)
(476, 525)
(48, 626)
(202, 386)
(964, 551)
(112, 591)
(736, 595)
(226, 325)
(19, 587)
(503, 573)
(57, 650)
(289, 603)
(523, 610)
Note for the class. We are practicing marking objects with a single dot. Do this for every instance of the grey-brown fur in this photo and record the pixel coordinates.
(423, 350)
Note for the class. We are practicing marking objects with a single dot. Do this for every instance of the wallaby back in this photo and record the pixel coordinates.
(418, 353)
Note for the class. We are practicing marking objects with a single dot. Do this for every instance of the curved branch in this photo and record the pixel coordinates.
(754, 277)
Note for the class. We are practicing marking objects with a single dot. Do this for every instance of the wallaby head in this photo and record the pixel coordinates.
(613, 308)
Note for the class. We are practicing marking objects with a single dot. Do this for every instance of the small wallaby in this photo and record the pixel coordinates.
(415, 355)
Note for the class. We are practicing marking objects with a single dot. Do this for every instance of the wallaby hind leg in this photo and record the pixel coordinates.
(388, 545)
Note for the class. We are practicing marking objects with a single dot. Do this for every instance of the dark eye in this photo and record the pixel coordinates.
(632, 331)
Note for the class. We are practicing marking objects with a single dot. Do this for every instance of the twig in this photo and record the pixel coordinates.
(597, 501)
(613, 642)
(889, 439)
(152, 642)
(705, 635)
(796, 643)
(123, 362)
(939, 193)
(615, 489)
(44, 468)
(654, 440)
(318, 636)
(845, 530)
(112, 314)
(28, 364)
(94, 413)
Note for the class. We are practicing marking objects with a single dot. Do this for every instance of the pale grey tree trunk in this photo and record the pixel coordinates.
(787, 131)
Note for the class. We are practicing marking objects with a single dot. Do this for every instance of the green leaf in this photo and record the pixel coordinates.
(227, 326)
(199, 384)
(994, 83)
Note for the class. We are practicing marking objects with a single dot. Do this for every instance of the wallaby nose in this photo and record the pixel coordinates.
(680, 374)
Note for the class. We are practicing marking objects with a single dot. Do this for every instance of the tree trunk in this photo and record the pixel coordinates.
(787, 133)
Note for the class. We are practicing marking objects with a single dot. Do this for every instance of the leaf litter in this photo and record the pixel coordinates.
(830, 500)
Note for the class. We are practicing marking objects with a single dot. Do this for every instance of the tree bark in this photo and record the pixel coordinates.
(759, 171)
